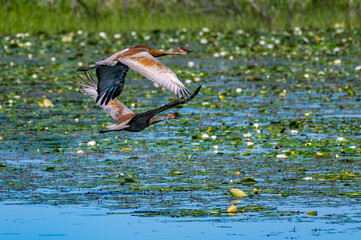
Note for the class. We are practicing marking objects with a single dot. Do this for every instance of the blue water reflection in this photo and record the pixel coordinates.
(76, 222)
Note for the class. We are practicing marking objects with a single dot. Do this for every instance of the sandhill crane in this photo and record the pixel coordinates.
(126, 119)
(111, 71)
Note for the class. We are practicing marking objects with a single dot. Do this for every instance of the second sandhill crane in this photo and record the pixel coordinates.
(111, 71)
(125, 118)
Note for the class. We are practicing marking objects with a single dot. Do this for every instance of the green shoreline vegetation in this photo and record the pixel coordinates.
(145, 15)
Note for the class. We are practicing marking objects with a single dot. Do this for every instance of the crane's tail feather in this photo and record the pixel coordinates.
(196, 91)
(187, 95)
(88, 82)
(84, 69)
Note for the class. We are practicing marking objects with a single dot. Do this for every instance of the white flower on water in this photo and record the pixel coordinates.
(336, 62)
(270, 46)
(80, 152)
(262, 42)
(190, 64)
(214, 137)
(103, 35)
(297, 31)
(307, 178)
(20, 35)
(358, 68)
(215, 147)
(239, 90)
(340, 139)
(223, 53)
(205, 135)
(306, 75)
(80, 32)
(281, 156)
(117, 36)
(250, 143)
(247, 135)
(34, 76)
(188, 81)
(205, 29)
(53, 59)
(294, 132)
(91, 143)
(204, 41)
(66, 38)
(256, 125)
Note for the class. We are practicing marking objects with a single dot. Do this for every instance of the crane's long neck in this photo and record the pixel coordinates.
(156, 120)
(157, 53)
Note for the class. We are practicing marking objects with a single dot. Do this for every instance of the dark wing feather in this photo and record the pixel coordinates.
(111, 81)
(151, 113)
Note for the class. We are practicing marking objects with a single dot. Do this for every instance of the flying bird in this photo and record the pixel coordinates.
(111, 71)
(125, 118)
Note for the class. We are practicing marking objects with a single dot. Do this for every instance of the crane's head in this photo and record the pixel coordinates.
(182, 51)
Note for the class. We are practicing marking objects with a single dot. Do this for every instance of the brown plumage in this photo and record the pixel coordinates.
(125, 118)
(111, 71)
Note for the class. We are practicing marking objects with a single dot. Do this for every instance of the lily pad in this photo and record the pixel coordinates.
(235, 192)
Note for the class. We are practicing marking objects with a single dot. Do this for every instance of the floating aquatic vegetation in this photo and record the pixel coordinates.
(279, 119)
(235, 192)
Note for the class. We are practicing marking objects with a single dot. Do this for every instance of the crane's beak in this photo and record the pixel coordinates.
(190, 52)
(177, 115)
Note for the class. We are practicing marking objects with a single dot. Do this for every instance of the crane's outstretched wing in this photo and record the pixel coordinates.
(151, 113)
(150, 67)
(118, 111)
(111, 79)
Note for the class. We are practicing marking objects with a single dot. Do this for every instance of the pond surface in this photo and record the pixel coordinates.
(278, 116)
(77, 222)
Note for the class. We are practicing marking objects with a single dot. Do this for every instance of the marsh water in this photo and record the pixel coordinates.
(278, 116)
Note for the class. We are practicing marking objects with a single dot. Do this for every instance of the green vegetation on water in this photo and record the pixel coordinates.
(273, 134)
(126, 15)
(278, 117)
